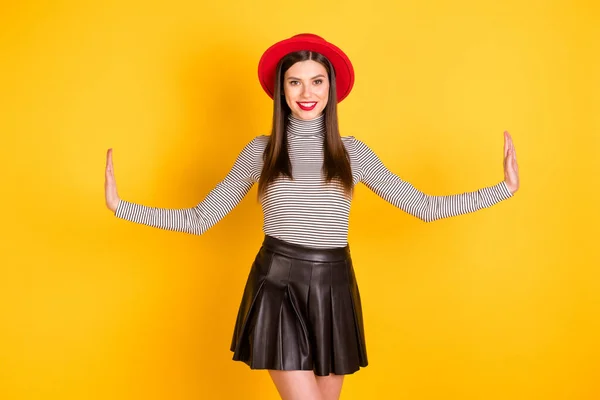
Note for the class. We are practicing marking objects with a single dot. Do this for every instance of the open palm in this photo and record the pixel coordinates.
(110, 185)
(511, 168)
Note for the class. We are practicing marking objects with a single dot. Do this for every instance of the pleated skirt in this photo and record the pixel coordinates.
(301, 310)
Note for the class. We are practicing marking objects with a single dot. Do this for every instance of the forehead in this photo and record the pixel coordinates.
(308, 68)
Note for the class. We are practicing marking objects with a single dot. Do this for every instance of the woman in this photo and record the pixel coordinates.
(300, 315)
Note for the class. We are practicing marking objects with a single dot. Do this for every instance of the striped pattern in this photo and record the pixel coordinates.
(307, 210)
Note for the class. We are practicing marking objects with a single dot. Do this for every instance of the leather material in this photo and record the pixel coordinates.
(301, 310)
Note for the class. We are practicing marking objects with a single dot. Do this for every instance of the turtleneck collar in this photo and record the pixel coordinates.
(311, 128)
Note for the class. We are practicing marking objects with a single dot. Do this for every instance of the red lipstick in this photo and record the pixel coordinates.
(307, 105)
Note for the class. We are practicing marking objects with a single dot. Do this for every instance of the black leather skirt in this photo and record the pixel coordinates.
(300, 310)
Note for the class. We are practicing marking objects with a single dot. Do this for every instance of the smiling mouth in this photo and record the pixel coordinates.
(307, 106)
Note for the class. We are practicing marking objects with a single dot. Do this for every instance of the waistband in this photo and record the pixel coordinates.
(306, 253)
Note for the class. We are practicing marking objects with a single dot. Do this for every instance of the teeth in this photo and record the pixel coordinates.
(308, 104)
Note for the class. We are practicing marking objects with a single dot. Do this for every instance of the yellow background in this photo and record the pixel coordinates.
(500, 304)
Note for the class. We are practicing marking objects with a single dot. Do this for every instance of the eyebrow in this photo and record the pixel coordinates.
(314, 77)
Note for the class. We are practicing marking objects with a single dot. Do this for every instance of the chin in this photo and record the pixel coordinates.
(307, 115)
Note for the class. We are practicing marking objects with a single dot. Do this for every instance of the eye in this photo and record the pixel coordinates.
(318, 81)
(294, 83)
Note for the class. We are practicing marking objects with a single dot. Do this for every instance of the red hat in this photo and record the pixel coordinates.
(344, 73)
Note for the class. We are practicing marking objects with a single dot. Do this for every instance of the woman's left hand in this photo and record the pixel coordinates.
(511, 168)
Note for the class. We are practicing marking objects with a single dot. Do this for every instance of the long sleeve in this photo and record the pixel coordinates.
(218, 203)
(406, 197)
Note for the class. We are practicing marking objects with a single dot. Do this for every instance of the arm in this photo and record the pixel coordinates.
(218, 203)
(425, 207)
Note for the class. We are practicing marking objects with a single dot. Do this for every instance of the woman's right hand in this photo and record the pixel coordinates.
(110, 185)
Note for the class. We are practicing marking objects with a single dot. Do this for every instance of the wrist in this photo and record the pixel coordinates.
(511, 187)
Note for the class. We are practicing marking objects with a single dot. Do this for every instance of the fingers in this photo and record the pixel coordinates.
(109, 164)
(109, 158)
(513, 154)
(509, 148)
(512, 163)
(512, 145)
(511, 169)
(110, 185)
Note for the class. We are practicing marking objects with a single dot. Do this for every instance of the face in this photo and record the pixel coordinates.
(306, 88)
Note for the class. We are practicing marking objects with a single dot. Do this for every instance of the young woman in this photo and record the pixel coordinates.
(300, 314)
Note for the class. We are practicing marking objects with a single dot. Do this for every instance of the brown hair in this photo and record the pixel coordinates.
(336, 162)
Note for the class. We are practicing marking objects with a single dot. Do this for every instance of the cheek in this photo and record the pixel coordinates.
(290, 92)
(324, 92)
(288, 96)
(324, 89)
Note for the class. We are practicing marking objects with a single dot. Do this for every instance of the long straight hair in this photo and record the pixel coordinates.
(276, 159)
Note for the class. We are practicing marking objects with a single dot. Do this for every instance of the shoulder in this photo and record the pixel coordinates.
(261, 140)
(257, 145)
(349, 141)
(353, 144)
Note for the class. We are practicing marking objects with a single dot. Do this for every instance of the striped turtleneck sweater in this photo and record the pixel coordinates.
(308, 210)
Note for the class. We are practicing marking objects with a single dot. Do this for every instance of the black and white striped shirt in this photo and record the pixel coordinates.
(307, 210)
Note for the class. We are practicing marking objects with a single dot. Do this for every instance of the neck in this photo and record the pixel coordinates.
(306, 128)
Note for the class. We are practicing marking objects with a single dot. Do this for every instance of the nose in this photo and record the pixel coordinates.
(306, 91)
